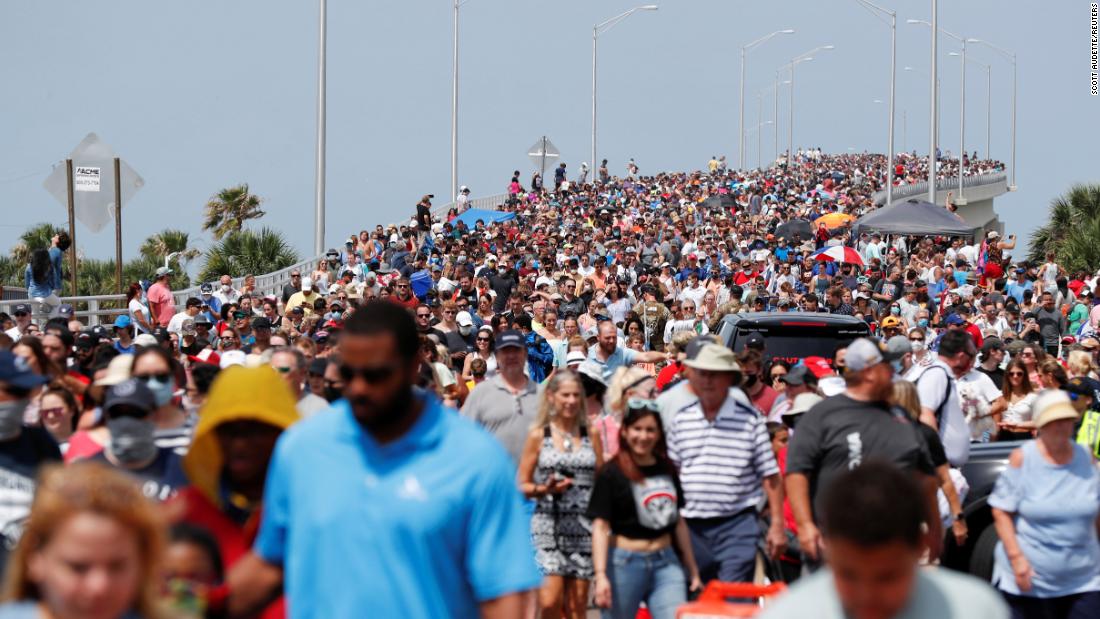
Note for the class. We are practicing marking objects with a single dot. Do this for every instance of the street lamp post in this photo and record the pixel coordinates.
(1011, 57)
(961, 200)
(741, 104)
(454, 105)
(808, 56)
(597, 30)
(319, 172)
(893, 70)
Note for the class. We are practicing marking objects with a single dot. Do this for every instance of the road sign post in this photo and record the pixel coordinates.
(118, 226)
(541, 151)
(72, 225)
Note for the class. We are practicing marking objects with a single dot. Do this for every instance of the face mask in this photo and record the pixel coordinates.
(161, 391)
(898, 367)
(11, 418)
(750, 381)
(918, 345)
(922, 323)
(332, 394)
(502, 271)
(226, 287)
(465, 331)
(895, 310)
(132, 439)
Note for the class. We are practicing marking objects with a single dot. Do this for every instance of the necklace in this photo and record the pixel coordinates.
(566, 438)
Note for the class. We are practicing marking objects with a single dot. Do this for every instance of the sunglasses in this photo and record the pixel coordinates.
(370, 375)
(640, 404)
(484, 339)
(1015, 373)
(165, 377)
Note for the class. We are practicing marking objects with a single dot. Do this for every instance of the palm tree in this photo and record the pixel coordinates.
(11, 272)
(169, 241)
(39, 236)
(1072, 231)
(245, 252)
(229, 209)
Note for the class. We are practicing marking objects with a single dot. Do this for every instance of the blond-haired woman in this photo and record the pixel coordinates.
(557, 470)
(627, 383)
(1079, 363)
(91, 549)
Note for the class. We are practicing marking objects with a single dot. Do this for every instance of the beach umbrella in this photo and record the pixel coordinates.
(834, 220)
(838, 253)
(801, 227)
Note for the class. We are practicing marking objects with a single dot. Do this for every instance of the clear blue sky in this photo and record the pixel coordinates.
(201, 95)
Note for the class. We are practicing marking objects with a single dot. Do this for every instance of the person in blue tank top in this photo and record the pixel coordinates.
(1045, 508)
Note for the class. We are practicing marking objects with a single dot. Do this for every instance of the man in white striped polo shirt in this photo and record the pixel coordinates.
(721, 445)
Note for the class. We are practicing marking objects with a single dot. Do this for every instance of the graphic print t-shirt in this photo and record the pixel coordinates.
(637, 510)
(19, 462)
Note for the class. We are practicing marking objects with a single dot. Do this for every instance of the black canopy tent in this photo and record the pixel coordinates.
(914, 217)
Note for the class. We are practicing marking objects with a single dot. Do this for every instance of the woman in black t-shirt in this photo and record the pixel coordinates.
(635, 512)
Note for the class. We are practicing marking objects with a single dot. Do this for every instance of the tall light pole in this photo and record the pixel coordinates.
(988, 94)
(597, 30)
(454, 105)
(961, 200)
(808, 56)
(319, 173)
(741, 104)
(1011, 57)
(893, 81)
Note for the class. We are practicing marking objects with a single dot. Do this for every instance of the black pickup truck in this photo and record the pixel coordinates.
(986, 462)
(792, 336)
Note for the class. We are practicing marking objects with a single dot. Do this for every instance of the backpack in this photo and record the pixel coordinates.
(946, 395)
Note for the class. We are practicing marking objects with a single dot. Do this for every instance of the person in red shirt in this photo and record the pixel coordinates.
(403, 294)
(162, 305)
(752, 366)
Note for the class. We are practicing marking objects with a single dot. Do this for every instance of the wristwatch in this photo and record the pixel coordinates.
(959, 517)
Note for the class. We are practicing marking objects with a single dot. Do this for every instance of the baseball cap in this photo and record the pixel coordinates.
(201, 319)
(162, 271)
(1052, 405)
(21, 308)
(1090, 343)
(15, 371)
(122, 322)
(307, 283)
(118, 370)
(206, 288)
(145, 339)
(798, 375)
(130, 392)
(890, 322)
(161, 334)
(510, 339)
(818, 366)
(575, 357)
(954, 319)
(86, 339)
(232, 357)
(65, 311)
(1082, 385)
(755, 339)
(464, 319)
(864, 353)
(899, 345)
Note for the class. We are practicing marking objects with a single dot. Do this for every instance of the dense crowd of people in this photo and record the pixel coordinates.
(447, 415)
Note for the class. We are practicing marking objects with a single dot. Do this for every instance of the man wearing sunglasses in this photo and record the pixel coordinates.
(430, 539)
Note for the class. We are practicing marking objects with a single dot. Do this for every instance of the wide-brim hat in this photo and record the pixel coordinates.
(714, 358)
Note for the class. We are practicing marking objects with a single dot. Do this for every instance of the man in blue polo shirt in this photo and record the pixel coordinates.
(610, 356)
(388, 504)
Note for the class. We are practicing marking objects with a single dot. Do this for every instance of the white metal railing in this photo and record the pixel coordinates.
(902, 192)
(487, 202)
(266, 283)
